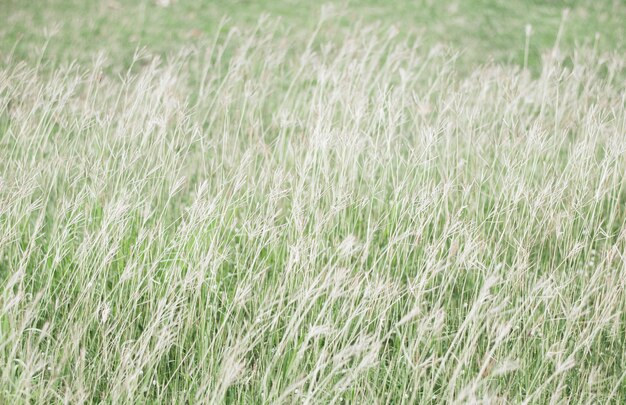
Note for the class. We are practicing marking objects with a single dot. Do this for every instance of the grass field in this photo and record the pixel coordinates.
(368, 202)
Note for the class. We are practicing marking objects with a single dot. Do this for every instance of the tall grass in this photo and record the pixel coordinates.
(341, 219)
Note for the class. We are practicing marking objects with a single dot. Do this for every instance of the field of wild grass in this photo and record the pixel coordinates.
(350, 216)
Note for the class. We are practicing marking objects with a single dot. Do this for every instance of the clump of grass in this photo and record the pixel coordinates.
(344, 221)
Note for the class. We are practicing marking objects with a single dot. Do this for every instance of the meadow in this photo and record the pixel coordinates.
(282, 202)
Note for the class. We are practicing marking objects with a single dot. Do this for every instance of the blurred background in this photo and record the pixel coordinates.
(480, 30)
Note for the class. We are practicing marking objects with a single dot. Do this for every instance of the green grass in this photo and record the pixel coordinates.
(306, 210)
(482, 30)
